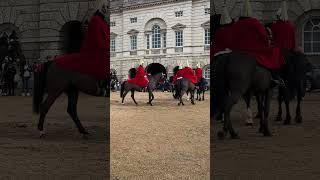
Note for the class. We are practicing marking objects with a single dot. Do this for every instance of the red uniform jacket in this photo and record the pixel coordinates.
(188, 73)
(198, 73)
(250, 36)
(222, 39)
(284, 35)
(178, 75)
(93, 58)
(140, 79)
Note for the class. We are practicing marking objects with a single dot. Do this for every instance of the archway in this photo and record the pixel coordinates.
(71, 36)
(155, 68)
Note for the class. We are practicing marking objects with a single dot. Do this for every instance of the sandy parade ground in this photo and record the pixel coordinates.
(63, 153)
(164, 141)
(292, 153)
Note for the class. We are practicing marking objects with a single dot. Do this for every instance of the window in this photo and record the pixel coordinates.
(133, 41)
(311, 36)
(179, 38)
(179, 13)
(113, 45)
(207, 11)
(133, 20)
(113, 23)
(156, 37)
(206, 73)
(148, 41)
(207, 37)
(164, 40)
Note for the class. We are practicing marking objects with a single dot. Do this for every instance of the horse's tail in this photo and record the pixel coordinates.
(178, 87)
(219, 83)
(122, 88)
(40, 77)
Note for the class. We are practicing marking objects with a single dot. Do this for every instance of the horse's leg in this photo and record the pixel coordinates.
(192, 96)
(280, 98)
(229, 102)
(287, 103)
(259, 114)
(249, 120)
(124, 95)
(298, 117)
(180, 97)
(265, 115)
(132, 95)
(44, 108)
(73, 95)
(203, 91)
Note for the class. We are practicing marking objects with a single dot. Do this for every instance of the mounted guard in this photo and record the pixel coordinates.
(283, 31)
(140, 78)
(93, 58)
(250, 36)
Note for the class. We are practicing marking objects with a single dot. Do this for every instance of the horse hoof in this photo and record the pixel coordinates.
(286, 122)
(221, 135)
(234, 136)
(267, 133)
(42, 134)
(298, 119)
(122, 103)
(279, 118)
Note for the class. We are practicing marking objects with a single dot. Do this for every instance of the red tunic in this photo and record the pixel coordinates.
(198, 73)
(250, 36)
(284, 35)
(179, 74)
(188, 73)
(222, 39)
(140, 79)
(93, 58)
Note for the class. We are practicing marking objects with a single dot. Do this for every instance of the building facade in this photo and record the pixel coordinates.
(165, 32)
(43, 26)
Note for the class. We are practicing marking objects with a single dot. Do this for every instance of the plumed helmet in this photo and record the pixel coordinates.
(102, 6)
(225, 17)
(246, 9)
(284, 11)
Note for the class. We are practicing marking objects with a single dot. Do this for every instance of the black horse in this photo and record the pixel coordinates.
(298, 65)
(201, 88)
(183, 86)
(52, 80)
(153, 82)
(237, 75)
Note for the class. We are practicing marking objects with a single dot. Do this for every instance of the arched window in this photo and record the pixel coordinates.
(206, 72)
(156, 37)
(311, 36)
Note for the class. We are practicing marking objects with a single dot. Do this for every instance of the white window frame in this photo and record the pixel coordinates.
(113, 45)
(178, 13)
(206, 38)
(179, 40)
(133, 42)
(164, 40)
(156, 37)
(134, 20)
(207, 11)
(311, 41)
(206, 72)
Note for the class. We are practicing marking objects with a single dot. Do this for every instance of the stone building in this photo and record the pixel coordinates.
(167, 32)
(51, 27)
(45, 27)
